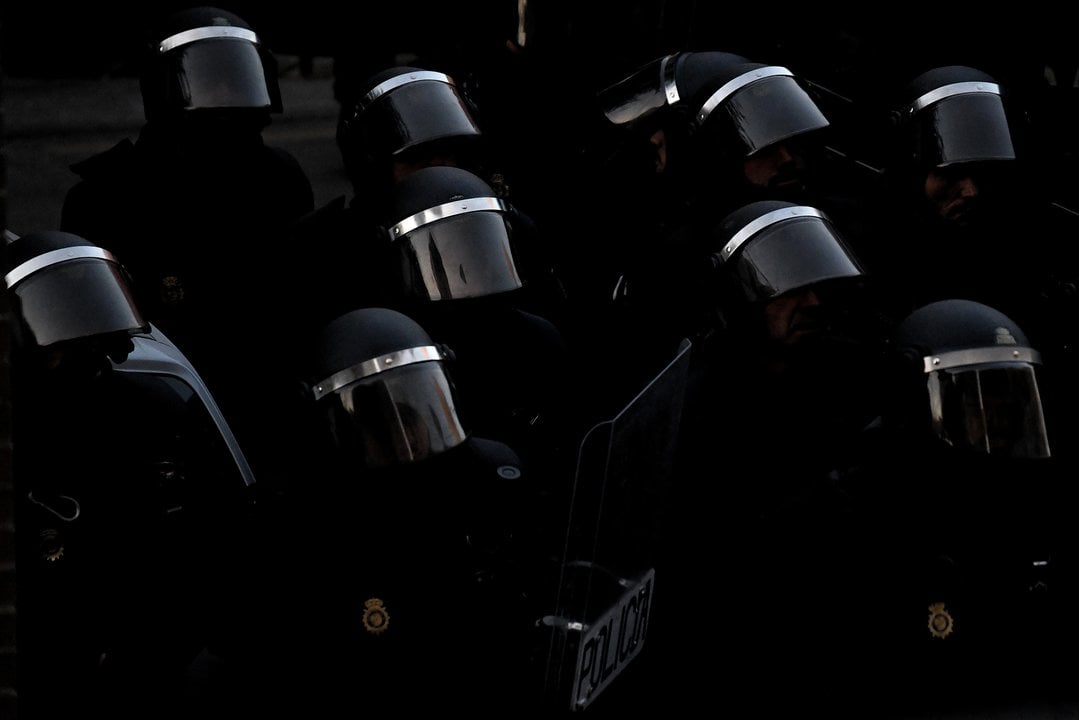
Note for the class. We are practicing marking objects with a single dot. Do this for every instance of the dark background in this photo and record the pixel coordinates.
(603, 37)
(862, 56)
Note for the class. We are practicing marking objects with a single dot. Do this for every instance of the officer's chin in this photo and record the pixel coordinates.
(964, 214)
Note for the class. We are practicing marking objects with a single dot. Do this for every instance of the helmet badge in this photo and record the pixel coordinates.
(1004, 337)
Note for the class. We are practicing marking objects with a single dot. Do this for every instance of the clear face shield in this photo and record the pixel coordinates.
(991, 407)
(216, 67)
(409, 109)
(74, 293)
(403, 413)
(760, 108)
(457, 250)
(649, 89)
(960, 123)
(784, 250)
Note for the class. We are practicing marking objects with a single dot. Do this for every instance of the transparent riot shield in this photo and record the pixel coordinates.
(607, 574)
(155, 355)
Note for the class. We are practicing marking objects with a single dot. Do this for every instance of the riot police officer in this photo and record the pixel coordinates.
(958, 198)
(967, 517)
(795, 348)
(785, 385)
(398, 573)
(132, 495)
(198, 208)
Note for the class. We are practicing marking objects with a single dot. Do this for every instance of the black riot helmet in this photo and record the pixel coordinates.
(741, 106)
(979, 386)
(382, 381)
(954, 114)
(453, 236)
(208, 59)
(771, 247)
(67, 288)
(402, 110)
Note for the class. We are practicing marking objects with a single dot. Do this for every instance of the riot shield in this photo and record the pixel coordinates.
(156, 355)
(607, 574)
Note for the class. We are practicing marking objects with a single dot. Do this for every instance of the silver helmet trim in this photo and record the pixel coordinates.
(441, 212)
(980, 356)
(945, 91)
(367, 368)
(667, 68)
(207, 33)
(765, 220)
(398, 80)
(733, 86)
(53, 257)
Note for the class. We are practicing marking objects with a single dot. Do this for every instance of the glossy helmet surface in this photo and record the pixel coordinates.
(740, 105)
(68, 288)
(772, 247)
(453, 236)
(385, 390)
(954, 114)
(402, 108)
(206, 58)
(980, 379)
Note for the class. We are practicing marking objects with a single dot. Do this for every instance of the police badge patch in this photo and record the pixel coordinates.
(941, 622)
(375, 617)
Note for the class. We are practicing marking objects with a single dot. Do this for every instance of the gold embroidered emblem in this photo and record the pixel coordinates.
(375, 617)
(941, 622)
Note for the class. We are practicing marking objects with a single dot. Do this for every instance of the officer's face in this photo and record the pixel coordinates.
(776, 169)
(793, 316)
(954, 194)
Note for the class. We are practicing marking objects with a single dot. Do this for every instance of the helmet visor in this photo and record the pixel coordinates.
(462, 256)
(789, 255)
(411, 113)
(763, 113)
(644, 92)
(993, 409)
(963, 128)
(217, 73)
(398, 416)
(75, 299)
